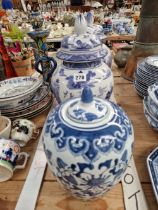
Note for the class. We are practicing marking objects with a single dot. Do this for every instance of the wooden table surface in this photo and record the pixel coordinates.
(53, 197)
(117, 37)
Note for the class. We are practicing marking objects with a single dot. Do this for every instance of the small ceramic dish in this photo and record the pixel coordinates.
(152, 164)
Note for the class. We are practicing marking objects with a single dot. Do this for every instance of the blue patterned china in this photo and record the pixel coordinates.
(152, 105)
(83, 64)
(18, 86)
(33, 110)
(146, 75)
(151, 62)
(153, 92)
(108, 58)
(81, 46)
(153, 122)
(88, 143)
(152, 100)
(69, 79)
(41, 93)
(141, 92)
(17, 91)
(94, 29)
(152, 164)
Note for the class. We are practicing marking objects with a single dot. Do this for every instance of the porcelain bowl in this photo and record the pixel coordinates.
(17, 91)
(153, 122)
(153, 92)
(152, 105)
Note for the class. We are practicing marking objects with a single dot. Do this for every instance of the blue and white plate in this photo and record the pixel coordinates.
(18, 91)
(146, 74)
(17, 86)
(152, 164)
(152, 62)
(34, 110)
(41, 93)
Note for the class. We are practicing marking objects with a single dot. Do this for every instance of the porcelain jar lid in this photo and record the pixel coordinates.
(81, 46)
(93, 28)
(87, 111)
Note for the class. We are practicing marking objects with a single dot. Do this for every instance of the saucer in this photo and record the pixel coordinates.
(152, 164)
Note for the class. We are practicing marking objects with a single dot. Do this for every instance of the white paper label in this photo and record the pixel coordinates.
(80, 77)
(133, 193)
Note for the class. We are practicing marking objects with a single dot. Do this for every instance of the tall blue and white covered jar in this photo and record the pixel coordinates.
(83, 64)
(88, 144)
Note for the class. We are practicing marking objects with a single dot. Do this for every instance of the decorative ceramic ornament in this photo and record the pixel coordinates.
(22, 131)
(88, 144)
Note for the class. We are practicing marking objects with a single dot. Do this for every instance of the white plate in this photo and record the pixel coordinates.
(17, 86)
(34, 110)
(41, 93)
(152, 61)
(145, 81)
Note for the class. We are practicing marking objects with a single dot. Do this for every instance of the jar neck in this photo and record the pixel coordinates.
(86, 65)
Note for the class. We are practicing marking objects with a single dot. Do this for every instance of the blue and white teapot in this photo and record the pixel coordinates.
(88, 144)
(82, 55)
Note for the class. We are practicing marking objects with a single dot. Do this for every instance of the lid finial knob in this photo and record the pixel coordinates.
(87, 95)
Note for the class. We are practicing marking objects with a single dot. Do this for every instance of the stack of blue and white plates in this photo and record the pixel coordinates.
(146, 74)
(151, 106)
(24, 97)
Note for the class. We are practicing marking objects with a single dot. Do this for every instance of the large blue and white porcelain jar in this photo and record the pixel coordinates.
(88, 144)
(82, 55)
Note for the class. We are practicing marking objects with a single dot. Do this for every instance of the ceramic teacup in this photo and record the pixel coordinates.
(22, 131)
(5, 127)
(9, 155)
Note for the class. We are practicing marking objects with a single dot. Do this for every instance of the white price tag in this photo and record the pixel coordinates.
(80, 77)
